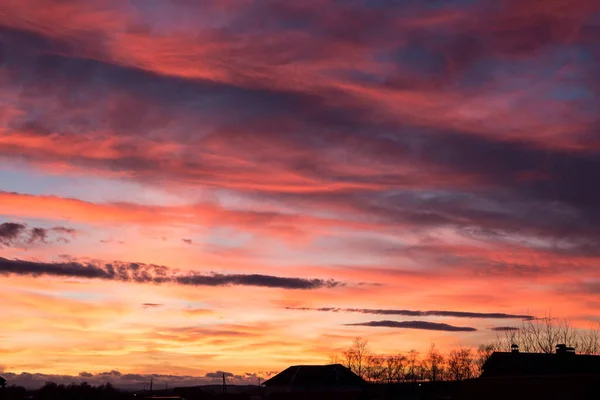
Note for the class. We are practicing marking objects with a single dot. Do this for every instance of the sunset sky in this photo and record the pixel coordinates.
(191, 186)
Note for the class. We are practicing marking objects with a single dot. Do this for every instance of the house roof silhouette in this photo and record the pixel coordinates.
(534, 364)
(316, 376)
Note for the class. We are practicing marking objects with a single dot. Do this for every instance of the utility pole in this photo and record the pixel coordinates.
(224, 384)
(151, 379)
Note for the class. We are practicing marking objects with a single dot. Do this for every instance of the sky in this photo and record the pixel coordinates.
(190, 187)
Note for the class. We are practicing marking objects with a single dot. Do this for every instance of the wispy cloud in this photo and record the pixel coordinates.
(271, 222)
(416, 313)
(424, 325)
(16, 235)
(504, 328)
(157, 274)
(219, 374)
(152, 305)
(10, 232)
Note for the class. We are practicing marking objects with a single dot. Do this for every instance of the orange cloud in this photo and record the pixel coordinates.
(287, 225)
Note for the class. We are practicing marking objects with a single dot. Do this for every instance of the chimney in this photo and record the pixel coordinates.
(563, 349)
(514, 348)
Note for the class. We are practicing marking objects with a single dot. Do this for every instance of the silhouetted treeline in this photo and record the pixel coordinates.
(53, 391)
(456, 365)
(13, 393)
(84, 391)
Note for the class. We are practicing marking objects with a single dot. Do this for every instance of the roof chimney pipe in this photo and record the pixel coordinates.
(563, 349)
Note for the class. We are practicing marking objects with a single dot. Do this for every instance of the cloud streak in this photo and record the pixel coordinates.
(416, 313)
(10, 232)
(504, 328)
(291, 226)
(143, 273)
(152, 305)
(18, 235)
(423, 325)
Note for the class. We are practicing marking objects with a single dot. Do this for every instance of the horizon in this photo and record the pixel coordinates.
(239, 186)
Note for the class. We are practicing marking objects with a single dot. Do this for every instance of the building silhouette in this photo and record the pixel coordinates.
(536, 376)
(563, 362)
(304, 379)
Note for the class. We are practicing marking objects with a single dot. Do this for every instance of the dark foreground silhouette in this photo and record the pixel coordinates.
(517, 388)
(506, 375)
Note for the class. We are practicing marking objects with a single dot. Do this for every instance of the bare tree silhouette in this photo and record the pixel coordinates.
(541, 335)
(460, 364)
(356, 357)
(434, 364)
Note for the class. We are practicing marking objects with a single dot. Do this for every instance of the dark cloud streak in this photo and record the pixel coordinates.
(218, 374)
(157, 274)
(504, 328)
(10, 232)
(416, 313)
(424, 325)
(19, 235)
